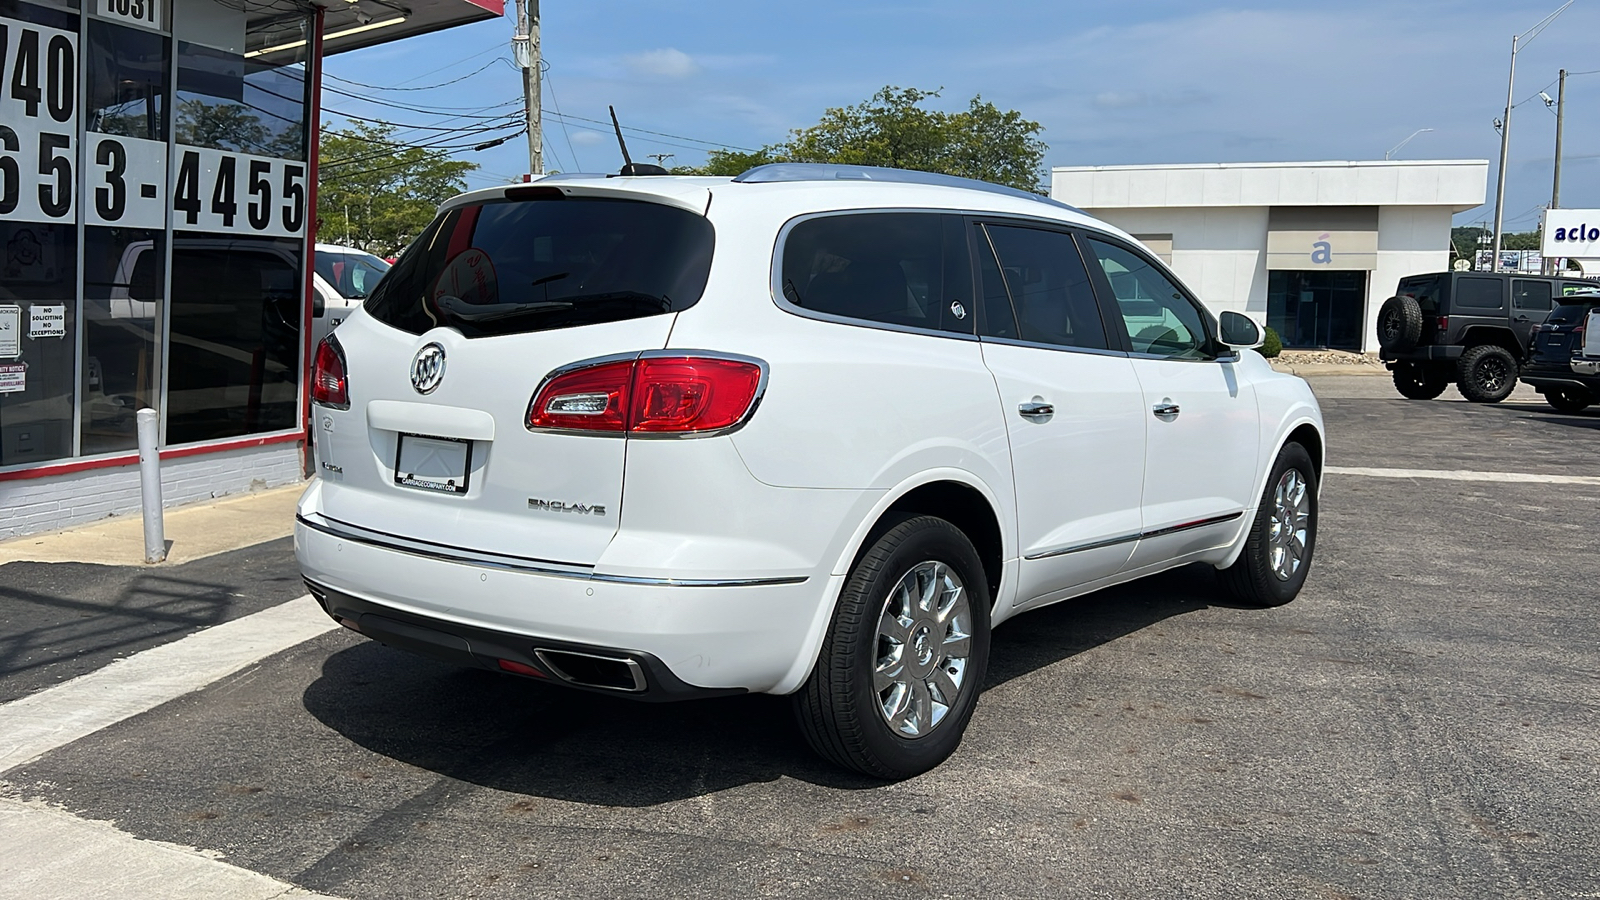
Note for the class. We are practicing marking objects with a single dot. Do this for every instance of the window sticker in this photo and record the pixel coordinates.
(13, 378)
(10, 332)
(47, 321)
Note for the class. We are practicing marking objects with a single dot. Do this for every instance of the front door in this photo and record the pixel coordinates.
(1071, 405)
(1204, 434)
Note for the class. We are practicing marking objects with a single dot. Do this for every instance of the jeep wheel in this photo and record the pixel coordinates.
(1399, 323)
(904, 659)
(1417, 381)
(1568, 400)
(1486, 373)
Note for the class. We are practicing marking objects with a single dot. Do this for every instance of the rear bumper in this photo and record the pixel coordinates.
(1546, 376)
(1586, 366)
(686, 638)
(1430, 353)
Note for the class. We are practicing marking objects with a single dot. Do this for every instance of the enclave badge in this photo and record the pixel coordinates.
(427, 368)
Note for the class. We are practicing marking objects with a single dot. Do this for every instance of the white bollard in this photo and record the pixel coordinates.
(155, 538)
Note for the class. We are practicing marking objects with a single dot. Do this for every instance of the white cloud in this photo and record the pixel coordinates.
(584, 137)
(667, 62)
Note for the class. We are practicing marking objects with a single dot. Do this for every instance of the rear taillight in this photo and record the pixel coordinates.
(329, 385)
(1443, 323)
(665, 394)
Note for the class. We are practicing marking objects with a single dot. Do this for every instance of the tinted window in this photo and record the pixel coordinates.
(234, 359)
(897, 268)
(1578, 287)
(127, 86)
(1158, 318)
(514, 266)
(1531, 295)
(1572, 313)
(1425, 289)
(352, 274)
(1041, 274)
(1478, 293)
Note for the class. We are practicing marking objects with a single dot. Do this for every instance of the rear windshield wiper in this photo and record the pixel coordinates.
(456, 308)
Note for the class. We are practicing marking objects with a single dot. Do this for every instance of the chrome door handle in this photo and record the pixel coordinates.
(1165, 409)
(1036, 410)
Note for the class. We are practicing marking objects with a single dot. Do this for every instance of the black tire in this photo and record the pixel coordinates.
(1419, 381)
(838, 708)
(1253, 578)
(1486, 373)
(1568, 400)
(1399, 323)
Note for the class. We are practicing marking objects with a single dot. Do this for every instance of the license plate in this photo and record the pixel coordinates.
(433, 463)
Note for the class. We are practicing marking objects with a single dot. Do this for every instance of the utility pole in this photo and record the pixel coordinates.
(1518, 41)
(1505, 147)
(1555, 188)
(1561, 113)
(525, 50)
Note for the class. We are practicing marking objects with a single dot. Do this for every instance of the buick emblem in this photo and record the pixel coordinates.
(427, 368)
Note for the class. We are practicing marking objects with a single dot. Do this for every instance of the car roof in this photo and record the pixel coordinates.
(800, 188)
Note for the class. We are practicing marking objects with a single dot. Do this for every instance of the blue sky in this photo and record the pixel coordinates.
(1129, 82)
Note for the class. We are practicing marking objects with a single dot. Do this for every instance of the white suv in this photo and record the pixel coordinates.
(813, 431)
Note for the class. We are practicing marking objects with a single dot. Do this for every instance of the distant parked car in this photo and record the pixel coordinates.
(345, 276)
(1470, 328)
(1551, 354)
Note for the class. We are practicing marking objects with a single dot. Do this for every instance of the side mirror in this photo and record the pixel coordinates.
(1239, 330)
(318, 305)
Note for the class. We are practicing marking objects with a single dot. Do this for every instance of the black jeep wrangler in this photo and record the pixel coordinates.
(1470, 328)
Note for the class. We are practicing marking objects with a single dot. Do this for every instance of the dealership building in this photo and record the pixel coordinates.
(1311, 249)
(158, 171)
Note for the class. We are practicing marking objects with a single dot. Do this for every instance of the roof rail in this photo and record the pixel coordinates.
(787, 172)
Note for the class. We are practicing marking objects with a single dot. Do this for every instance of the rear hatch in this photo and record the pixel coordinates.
(1429, 292)
(448, 351)
(1561, 336)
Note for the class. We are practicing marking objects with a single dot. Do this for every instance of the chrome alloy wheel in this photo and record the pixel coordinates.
(924, 639)
(1291, 517)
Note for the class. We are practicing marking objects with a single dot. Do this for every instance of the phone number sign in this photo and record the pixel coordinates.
(215, 190)
(38, 122)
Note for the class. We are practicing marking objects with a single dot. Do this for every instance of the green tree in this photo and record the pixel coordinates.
(894, 129)
(378, 193)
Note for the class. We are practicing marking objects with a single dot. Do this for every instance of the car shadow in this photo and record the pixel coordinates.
(520, 736)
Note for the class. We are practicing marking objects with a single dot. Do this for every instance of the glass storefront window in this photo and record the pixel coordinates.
(229, 102)
(126, 87)
(123, 286)
(234, 354)
(38, 281)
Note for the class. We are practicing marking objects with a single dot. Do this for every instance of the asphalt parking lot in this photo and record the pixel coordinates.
(1424, 721)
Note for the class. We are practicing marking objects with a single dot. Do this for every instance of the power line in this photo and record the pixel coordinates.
(430, 87)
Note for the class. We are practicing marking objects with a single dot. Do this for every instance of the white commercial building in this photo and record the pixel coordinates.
(1311, 249)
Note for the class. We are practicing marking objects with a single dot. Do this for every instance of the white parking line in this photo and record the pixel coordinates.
(51, 854)
(1464, 475)
(38, 723)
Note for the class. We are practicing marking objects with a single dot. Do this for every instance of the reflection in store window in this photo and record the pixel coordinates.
(127, 82)
(38, 275)
(227, 102)
(123, 286)
(234, 351)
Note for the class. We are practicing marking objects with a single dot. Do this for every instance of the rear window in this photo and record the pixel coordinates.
(1424, 288)
(515, 266)
(1478, 293)
(1572, 313)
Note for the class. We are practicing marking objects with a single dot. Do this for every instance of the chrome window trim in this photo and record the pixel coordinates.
(530, 567)
(1063, 348)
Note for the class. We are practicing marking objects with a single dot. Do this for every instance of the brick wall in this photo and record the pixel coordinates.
(47, 504)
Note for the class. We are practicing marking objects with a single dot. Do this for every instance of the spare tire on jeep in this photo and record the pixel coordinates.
(1399, 323)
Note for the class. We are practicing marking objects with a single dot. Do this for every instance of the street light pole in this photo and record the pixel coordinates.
(1505, 146)
(1517, 43)
(1561, 113)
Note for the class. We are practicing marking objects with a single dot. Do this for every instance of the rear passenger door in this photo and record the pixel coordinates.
(1531, 302)
(1071, 404)
(1200, 465)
